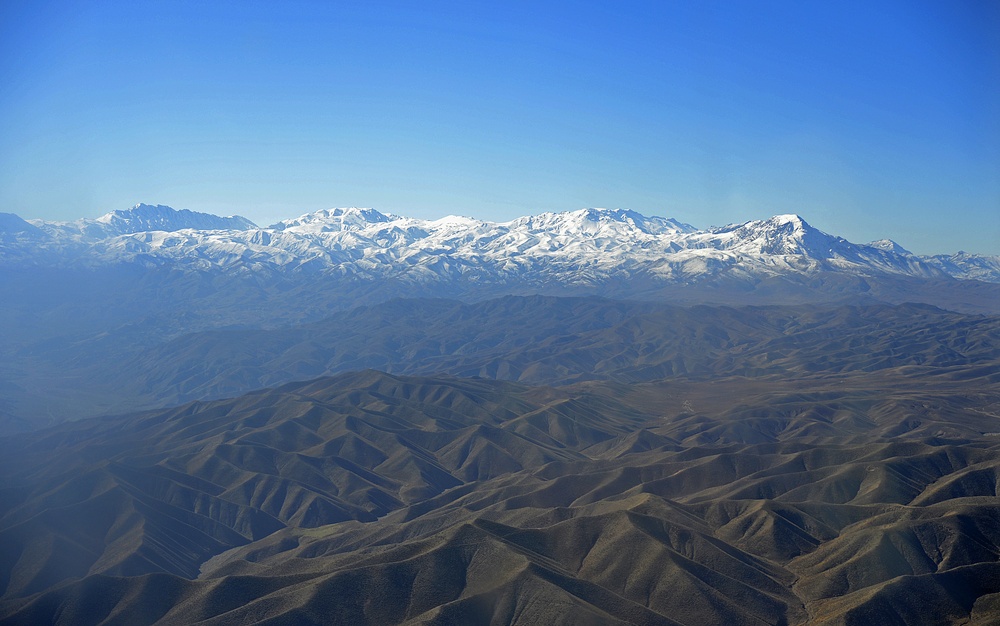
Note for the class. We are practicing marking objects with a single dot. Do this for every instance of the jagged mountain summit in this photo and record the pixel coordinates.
(889, 246)
(967, 266)
(141, 218)
(333, 220)
(145, 217)
(584, 247)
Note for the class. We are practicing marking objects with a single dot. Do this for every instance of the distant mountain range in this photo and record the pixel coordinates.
(585, 248)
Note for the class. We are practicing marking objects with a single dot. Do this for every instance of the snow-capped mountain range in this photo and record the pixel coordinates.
(583, 247)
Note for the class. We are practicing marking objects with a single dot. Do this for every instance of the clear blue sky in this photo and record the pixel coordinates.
(870, 119)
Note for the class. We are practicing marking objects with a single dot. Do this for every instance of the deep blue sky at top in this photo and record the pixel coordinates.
(869, 119)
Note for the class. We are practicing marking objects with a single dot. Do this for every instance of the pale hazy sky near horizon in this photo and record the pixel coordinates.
(870, 119)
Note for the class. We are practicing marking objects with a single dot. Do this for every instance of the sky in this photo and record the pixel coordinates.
(869, 119)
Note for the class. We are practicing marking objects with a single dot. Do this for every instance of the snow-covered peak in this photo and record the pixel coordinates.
(454, 222)
(967, 266)
(788, 218)
(333, 220)
(146, 217)
(781, 235)
(889, 246)
(788, 224)
(592, 221)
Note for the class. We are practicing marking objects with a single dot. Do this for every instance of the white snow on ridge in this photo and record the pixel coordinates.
(145, 217)
(965, 266)
(587, 246)
(138, 219)
(333, 220)
(889, 246)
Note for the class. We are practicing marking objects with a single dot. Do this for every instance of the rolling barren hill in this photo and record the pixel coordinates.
(847, 496)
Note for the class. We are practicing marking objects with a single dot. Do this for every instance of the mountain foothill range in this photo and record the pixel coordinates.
(592, 417)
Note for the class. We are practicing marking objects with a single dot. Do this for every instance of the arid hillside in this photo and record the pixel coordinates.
(837, 497)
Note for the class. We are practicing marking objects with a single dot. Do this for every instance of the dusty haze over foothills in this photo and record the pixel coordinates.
(869, 119)
(761, 385)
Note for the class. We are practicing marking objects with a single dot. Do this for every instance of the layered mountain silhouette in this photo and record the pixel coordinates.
(592, 417)
(535, 340)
